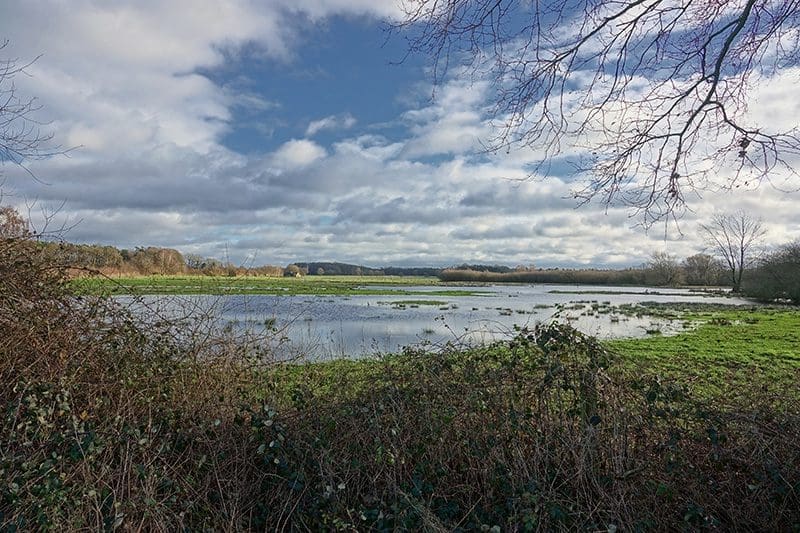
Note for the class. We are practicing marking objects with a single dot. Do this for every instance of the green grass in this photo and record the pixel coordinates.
(414, 303)
(729, 352)
(656, 292)
(756, 350)
(307, 285)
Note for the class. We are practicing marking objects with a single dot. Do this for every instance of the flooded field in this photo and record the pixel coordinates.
(352, 326)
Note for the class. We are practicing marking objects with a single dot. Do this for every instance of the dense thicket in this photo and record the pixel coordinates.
(567, 276)
(110, 419)
(777, 276)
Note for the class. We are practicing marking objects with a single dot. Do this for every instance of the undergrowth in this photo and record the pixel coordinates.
(114, 421)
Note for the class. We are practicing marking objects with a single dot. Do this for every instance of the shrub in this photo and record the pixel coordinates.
(777, 276)
(107, 418)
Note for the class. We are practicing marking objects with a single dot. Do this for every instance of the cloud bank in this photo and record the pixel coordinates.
(124, 84)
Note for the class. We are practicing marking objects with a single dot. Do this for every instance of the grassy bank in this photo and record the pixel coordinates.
(110, 422)
(306, 285)
(732, 352)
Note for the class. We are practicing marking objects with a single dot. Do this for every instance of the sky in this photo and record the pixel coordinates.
(300, 130)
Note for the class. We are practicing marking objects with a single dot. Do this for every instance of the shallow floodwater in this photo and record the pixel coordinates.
(352, 326)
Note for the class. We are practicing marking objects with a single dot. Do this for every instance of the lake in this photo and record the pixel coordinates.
(319, 327)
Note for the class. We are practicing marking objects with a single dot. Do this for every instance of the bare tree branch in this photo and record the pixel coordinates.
(657, 91)
(21, 136)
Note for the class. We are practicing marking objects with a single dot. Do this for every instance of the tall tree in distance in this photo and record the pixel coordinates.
(735, 238)
(663, 269)
(701, 269)
(12, 224)
(655, 92)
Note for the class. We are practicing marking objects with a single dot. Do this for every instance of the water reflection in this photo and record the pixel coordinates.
(352, 326)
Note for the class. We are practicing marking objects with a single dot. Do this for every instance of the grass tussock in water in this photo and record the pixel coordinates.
(109, 421)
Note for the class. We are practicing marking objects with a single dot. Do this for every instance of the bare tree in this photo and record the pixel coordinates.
(655, 90)
(663, 269)
(735, 237)
(701, 269)
(21, 136)
(21, 141)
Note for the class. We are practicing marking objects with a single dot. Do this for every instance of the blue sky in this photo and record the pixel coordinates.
(285, 130)
(344, 67)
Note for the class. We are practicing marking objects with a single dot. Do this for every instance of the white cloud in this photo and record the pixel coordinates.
(122, 75)
(332, 122)
(454, 123)
(297, 153)
(250, 101)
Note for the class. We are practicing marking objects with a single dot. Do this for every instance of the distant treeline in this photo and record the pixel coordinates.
(499, 269)
(153, 260)
(775, 276)
(338, 269)
(150, 260)
(630, 276)
(663, 270)
(345, 269)
(108, 259)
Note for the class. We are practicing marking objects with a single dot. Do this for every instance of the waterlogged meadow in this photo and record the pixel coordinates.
(115, 418)
(373, 316)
